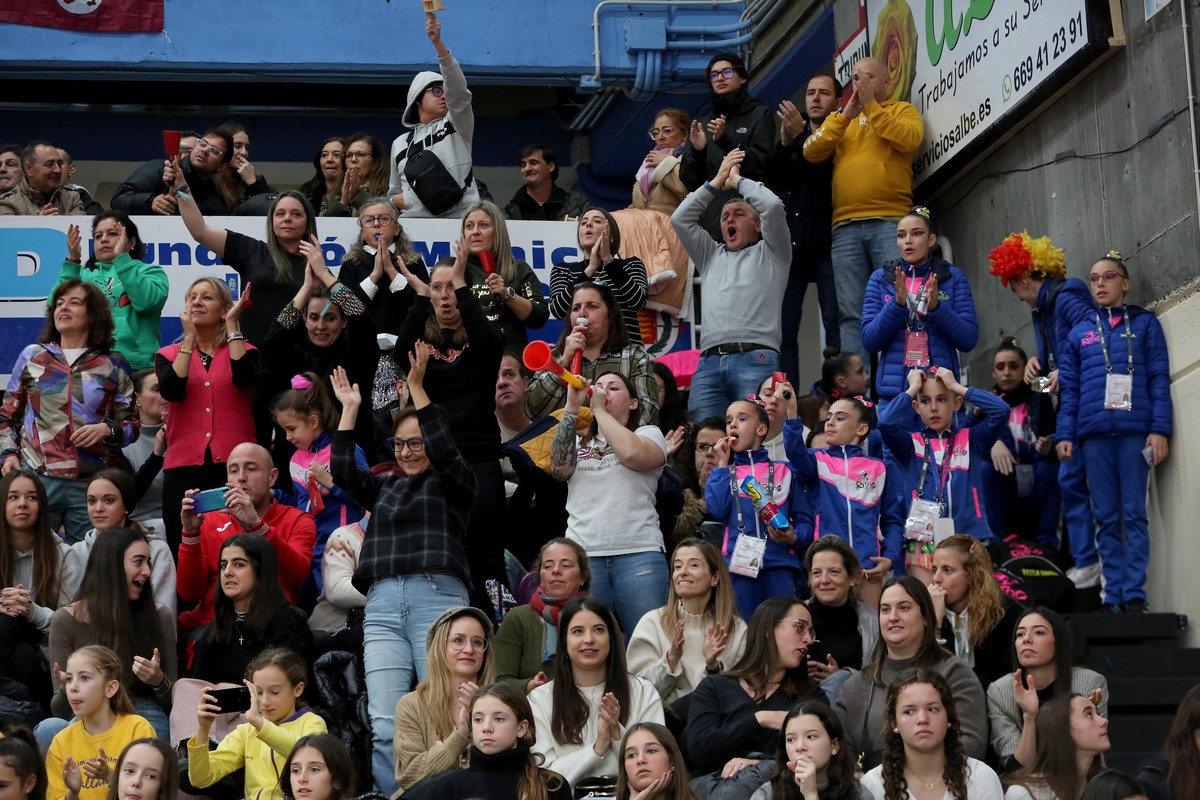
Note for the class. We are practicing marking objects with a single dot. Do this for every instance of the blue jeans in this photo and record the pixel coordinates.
(771, 582)
(805, 270)
(719, 380)
(1077, 509)
(47, 729)
(68, 507)
(153, 713)
(630, 585)
(859, 248)
(1117, 477)
(399, 613)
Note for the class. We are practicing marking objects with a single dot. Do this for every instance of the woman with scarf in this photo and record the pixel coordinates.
(526, 642)
(658, 185)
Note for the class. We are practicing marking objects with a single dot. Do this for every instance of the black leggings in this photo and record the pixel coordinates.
(178, 480)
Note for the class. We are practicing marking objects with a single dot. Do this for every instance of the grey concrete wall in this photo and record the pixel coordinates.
(1142, 203)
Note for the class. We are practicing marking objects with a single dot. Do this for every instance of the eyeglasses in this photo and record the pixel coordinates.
(437, 90)
(414, 445)
(665, 130)
(458, 642)
(803, 627)
(357, 156)
(382, 219)
(1107, 277)
(726, 73)
(704, 447)
(212, 148)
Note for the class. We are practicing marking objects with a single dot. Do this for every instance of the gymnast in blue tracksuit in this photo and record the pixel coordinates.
(1116, 401)
(918, 448)
(778, 555)
(849, 490)
(1035, 271)
(918, 310)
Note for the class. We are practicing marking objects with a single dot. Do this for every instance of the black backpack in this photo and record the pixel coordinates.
(1030, 576)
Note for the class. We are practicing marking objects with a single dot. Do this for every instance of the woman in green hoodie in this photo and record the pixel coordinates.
(136, 291)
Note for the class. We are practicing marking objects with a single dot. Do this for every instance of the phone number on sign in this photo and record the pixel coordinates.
(1060, 43)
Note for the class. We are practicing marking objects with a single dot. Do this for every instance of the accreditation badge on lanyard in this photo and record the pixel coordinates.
(1118, 389)
(916, 343)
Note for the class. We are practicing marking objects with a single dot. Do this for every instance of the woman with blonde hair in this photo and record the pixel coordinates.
(974, 617)
(510, 291)
(433, 722)
(207, 379)
(697, 633)
(657, 185)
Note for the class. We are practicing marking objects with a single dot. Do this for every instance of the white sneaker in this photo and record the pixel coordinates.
(1085, 577)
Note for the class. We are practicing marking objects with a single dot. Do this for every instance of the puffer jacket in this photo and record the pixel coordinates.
(1061, 305)
(792, 502)
(964, 494)
(848, 493)
(342, 703)
(951, 325)
(1082, 377)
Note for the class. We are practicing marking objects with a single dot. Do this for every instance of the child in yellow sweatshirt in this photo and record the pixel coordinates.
(264, 741)
(78, 763)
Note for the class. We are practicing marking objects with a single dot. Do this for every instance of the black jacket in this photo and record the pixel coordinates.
(806, 190)
(135, 195)
(490, 777)
(993, 656)
(561, 205)
(749, 125)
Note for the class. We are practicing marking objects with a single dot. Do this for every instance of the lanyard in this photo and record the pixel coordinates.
(914, 320)
(944, 470)
(737, 499)
(1051, 356)
(1104, 343)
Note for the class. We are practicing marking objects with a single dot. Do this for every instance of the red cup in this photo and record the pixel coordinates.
(171, 142)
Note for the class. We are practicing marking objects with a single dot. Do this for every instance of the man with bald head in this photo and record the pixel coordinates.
(249, 508)
(872, 142)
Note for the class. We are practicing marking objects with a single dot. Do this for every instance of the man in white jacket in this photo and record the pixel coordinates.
(438, 112)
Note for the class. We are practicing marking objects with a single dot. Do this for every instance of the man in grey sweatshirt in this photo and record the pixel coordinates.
(743, 281)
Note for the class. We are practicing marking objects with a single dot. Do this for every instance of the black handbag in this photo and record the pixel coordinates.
(433, 184)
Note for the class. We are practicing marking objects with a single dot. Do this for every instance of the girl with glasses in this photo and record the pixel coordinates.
(1116, 416)
(413, 566)
(734, 718)
(433, 722)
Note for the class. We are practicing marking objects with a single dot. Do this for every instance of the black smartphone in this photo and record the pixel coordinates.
(231, 700)
(817, 652)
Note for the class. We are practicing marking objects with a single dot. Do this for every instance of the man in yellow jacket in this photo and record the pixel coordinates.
(871, 141)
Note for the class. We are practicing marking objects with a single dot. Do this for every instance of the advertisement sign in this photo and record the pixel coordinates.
(32, 251)
(965, 64)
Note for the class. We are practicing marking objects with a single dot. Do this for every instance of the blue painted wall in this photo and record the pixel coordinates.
(503, 41)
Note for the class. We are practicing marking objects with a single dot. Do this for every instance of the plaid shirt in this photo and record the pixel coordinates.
(547, 392)
(418, 523)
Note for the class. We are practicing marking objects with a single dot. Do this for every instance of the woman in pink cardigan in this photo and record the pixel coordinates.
(206, 379)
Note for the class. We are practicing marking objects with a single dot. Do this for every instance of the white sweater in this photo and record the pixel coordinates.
(982, 783)
(648, 647)
(575, 761)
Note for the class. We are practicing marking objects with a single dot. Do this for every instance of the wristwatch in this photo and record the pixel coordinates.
(509, 292)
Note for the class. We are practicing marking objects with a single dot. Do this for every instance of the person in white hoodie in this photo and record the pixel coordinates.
(438, 113)
(111, 498)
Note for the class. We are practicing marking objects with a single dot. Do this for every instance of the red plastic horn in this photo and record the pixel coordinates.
(577, 359)
(171, 142)
(537, 356)
(488, 259)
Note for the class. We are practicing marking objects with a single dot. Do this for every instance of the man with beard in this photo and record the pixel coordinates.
(145, 191)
